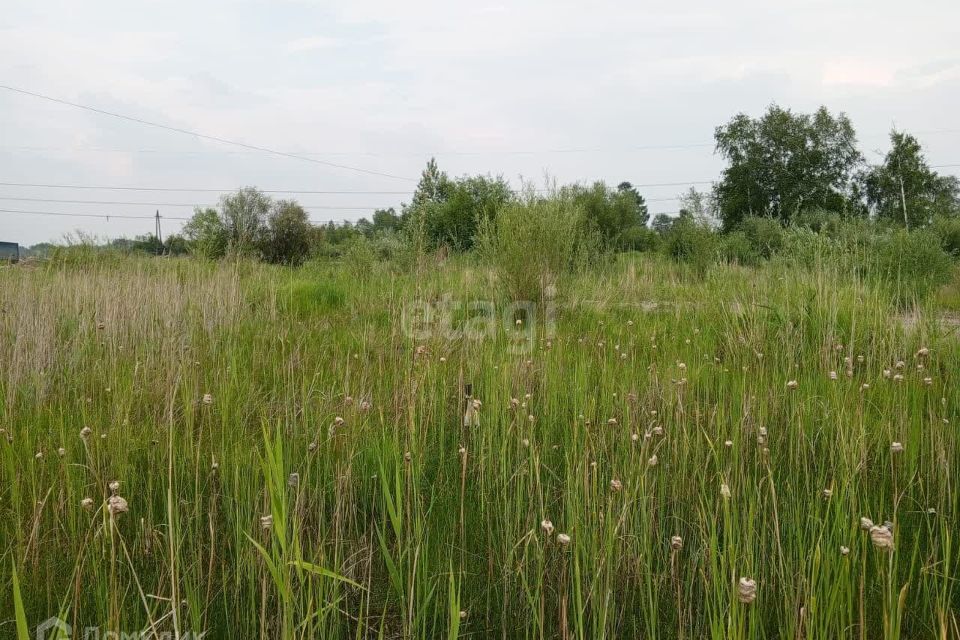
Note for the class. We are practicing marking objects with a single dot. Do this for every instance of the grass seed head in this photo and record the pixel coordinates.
(866, 523)
(87, 504)
(117, 505)
(563, 539)
(896, 447)
(882, 537)
(616, 485)
(547, 527)
(676, 543)
(266, 522)
(747, 590)
(85, 432)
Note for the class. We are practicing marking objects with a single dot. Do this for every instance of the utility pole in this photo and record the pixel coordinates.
(157, 233)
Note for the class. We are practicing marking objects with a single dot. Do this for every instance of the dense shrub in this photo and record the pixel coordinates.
(948, 231)
(765, 235)
(534, 243)
(736, 248)
(691, 243)
(911, 264)
(638, 238)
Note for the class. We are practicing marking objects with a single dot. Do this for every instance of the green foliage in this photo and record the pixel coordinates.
(311, 297)
(448, 212)
(783, 163)
(691, 243)
(905, 190)
(206, 234)
(176, 245)
(765, 235)
(610, 213)
(534, 244)
(638, 238)
(244, 218)
(910, 265)
(736, 248)
(359, 257)
(948, 231)
(286, 237)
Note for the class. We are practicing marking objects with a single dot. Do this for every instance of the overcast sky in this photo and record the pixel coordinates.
(575, 90)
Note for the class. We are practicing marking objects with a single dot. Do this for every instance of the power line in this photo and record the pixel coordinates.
(296, 191)
(381, 154)
(191, 190)
(82, 215)
(179, 204)
(109, 216)
(188, 204)
(202, 135)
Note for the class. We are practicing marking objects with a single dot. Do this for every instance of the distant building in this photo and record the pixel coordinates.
(9, 252)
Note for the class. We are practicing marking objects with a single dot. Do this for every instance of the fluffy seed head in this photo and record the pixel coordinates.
(616, 485)
(87, 503)
(116, 505)
(882, 537)
(747, 590)
(563, 539)
(547, 527)
(676, 543)
(896, 447)
(866, 523)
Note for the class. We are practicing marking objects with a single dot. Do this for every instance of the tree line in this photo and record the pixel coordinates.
(781, 168)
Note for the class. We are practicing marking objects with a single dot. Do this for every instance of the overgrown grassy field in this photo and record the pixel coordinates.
(646, 412)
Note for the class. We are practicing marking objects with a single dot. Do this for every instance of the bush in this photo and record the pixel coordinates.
(948, 231)
(534, 243)
(691, 243)
(736, 248)
(359, 257)
(638, 238)
(765, 235)
(910, 263)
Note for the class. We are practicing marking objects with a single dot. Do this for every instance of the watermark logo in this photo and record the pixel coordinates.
(54, 629)
(521, 323)
(57, 629)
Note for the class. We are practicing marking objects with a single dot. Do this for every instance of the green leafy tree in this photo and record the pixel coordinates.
(905, 190)
(662, 223)
(206, 234)
(244, 216)
(785, 162)
(286, 238)
(176, 245)
(614, 214)
(449, 212)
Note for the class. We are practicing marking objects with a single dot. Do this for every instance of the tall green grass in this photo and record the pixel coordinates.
(401, 522)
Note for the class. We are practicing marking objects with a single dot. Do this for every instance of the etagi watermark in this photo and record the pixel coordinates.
(57, 629)
(449, 319)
